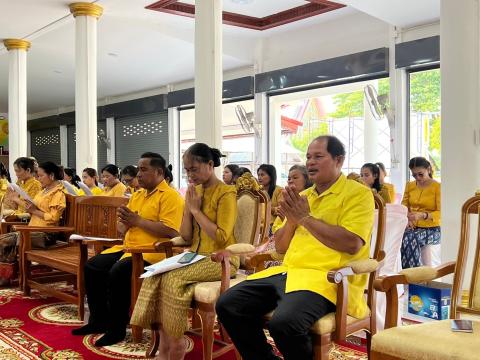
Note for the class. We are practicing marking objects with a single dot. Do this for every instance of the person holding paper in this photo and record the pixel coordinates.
(90, 179)
(111, 182)
(153, 214)
(45, 210)
(327, 226)
(24, 171)
(208, 221)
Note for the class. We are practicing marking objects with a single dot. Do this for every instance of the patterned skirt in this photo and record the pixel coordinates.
(413, 242)
(165, 299)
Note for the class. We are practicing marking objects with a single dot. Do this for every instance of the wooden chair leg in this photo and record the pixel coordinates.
(137, 332)
(321, 347)
(154, 343)
(26, 277)
(208, 321)
(369, 343)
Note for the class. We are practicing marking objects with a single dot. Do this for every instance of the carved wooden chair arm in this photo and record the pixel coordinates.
(223, 256)
(413, 276)
(46, 229)
(257, 261)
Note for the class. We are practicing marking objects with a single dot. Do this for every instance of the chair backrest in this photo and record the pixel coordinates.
(469, 208)
(378, 254)
(68, 216)
(251, 205)
(97, 215)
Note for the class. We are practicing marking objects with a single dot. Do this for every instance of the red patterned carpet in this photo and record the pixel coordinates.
(38, 327)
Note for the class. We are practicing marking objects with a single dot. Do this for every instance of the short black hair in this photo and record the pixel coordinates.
(112, 169)
(334, 146)
(52, 168)
(156, 160)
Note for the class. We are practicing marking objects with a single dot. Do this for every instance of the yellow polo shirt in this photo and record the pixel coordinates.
(116, 191)
(350, 205)
(162, 204)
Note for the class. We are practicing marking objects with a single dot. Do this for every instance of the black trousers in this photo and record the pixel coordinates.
(241, 310)
(108, 288)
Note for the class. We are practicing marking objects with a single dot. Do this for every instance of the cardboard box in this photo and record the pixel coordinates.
(431, 300)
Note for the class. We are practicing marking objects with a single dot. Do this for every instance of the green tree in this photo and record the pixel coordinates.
(351, 104)
(425, 91)
(300, 141)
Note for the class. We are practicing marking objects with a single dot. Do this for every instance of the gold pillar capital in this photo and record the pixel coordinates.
(85, 9)
(12, 44)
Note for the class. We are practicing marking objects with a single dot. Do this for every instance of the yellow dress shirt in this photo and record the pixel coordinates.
(52, 203)
(32, 187)
(350, 205)
(385, 194)
(276, 197)
(162, 204)
(423, 200)
(219, 204)
(116, 191)
(391, 191)
(3, 187)
(95, 191)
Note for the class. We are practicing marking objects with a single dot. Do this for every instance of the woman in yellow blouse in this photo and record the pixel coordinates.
(45, 210)
(4, 180)
(208, 220)
(24, 171)
(370, 174)
(421, 239)
(390, 187)
(90, 178)
(113, 186)
(267, 177)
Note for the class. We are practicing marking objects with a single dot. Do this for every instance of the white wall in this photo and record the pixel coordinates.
(350, 34)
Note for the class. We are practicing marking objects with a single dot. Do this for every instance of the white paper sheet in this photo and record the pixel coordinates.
(81, 237)
(20, 192)
(69, 188)
(85, 189)
(168, 264)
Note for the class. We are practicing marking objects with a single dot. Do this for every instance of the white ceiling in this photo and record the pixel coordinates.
(138, 49)
(402, 13)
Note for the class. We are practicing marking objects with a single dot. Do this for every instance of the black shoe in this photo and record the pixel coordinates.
(89, 329)
(110, 338)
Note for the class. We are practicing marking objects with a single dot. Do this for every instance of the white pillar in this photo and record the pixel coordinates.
(208, 72)
(459, 54)
(17, 99)
(370, 133)
(86, 16)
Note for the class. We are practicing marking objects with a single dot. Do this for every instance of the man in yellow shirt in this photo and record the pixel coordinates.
(326, 227)
(153, 213)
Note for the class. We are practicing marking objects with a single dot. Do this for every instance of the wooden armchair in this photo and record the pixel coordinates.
(251, 204)
(435, 340)
(337, 326)
(92, 216)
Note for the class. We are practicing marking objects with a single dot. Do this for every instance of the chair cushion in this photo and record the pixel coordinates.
(208, 292)
(432, 340)
(325, 325)
(246, 219)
